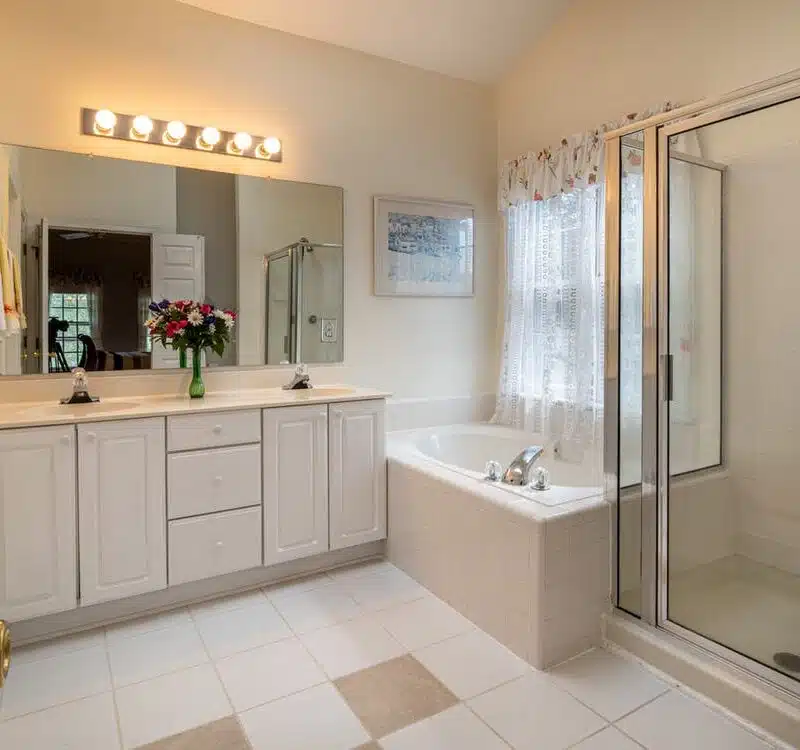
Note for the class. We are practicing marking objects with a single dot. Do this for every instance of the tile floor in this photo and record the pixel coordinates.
(361, 658)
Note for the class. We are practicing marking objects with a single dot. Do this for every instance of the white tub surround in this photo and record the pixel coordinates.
(138, 504)
(533, 574)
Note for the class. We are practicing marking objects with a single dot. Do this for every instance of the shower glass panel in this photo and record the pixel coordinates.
(629, 506)
(732, 568)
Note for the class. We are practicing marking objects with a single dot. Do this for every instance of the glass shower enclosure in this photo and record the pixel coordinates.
(702, 443)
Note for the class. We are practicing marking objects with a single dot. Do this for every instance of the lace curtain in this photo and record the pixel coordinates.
(551, 376)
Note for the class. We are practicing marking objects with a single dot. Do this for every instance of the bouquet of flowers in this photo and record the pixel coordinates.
(185, 324)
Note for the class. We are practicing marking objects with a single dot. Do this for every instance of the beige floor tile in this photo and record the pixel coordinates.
(225, 734)
(392, 695)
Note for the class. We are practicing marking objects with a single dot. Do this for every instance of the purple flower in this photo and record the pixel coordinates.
(164, 304)
(154, 307)
(209, 320)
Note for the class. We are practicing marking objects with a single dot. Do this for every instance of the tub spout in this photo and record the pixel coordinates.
(519, 469)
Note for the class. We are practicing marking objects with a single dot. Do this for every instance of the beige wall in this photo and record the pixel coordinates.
(369, 125)
(603, 59)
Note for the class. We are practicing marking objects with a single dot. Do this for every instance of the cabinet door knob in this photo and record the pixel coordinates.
(217, 429)
(65, 440)
(91, 437)
(217, 481)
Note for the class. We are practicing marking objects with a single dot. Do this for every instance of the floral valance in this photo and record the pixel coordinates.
(576, 162)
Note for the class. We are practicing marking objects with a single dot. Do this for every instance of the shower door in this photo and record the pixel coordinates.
(729, 426)
(702, 422)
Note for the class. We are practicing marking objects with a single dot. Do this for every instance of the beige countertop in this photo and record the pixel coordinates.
(37, 414)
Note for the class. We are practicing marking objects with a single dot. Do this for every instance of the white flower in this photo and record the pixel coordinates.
(217, 313)
(195, 318)
(211, 329)
(228, 318)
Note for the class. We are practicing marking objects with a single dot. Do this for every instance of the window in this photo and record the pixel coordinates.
(73, 314)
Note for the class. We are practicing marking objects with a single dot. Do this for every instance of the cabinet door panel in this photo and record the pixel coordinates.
(357, 473)
(37, 522)
(295, 482)
(122, 477)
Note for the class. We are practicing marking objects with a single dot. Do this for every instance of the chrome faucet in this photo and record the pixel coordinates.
(300, 380)
(80, 389)
(519, 469)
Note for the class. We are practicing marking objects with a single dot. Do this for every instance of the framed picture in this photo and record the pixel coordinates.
(423, 248)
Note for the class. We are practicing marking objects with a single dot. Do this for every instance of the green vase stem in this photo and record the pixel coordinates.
(196, 388)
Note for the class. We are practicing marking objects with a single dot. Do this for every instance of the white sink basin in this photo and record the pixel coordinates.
(76, 410)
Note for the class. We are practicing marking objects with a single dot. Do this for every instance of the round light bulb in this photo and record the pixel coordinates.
(142, 126)
(176, 130)
(272, 145)
(104, 120)
(210, 137)
(242, 141)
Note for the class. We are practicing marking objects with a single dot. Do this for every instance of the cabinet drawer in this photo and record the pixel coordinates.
(209, 546)
(191, 431)
(212, 480)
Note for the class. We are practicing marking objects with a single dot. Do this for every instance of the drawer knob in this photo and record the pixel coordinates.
(217, 430)
(219, 544)
(217, 481)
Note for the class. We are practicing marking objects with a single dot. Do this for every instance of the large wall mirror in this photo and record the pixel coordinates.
(93, 240)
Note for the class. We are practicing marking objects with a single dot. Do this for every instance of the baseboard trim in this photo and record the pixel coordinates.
(110, 613)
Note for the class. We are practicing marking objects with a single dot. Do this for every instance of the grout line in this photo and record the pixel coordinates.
(646, 703)
(113, 692)
(480, 719)
(214, 667)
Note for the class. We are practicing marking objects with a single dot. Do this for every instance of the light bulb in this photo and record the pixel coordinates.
(242, 141)
(142, 126)
(104, 121)
(174, 133)
(272, 145)
(209, 137)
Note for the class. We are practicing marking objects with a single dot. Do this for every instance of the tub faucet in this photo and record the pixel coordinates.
(519, 469)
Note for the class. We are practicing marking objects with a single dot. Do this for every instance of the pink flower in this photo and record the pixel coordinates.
(206, 309)
(181, 324)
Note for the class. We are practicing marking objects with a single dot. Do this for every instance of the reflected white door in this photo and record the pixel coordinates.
(178, 273)
(44, 285)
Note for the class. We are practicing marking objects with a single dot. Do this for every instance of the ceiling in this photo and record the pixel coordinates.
(473, 39)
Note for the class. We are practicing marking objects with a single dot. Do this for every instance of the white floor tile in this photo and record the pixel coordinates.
(229, 632)
(268, 672)
(351, 646)
(227, 603)
(149, 711)
(352, 572)
(677, 721)
(532, 714)
(147, 624)
(472, 663)
(58, 646)
(423, 622)
(607, 683)
(317, 608)
(143, 657)
(315, 719)
(87, 724)
(456, 727)
(609, 739)
(297, 586)
(382, 587)
(59, 679)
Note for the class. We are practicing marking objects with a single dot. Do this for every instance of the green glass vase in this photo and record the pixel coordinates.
(182, 359)
(196, 388)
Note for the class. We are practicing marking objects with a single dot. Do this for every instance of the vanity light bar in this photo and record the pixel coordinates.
(175, 134)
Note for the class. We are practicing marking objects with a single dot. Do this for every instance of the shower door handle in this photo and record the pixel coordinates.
(668, 377)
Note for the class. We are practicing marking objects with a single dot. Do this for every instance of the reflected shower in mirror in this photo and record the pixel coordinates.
(91, 241)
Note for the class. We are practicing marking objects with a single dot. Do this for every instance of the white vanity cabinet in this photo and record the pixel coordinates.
(37, 522)
(295, 482)
(357, 473)
(122, 509)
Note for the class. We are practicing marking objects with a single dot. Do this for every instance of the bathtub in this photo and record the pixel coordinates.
(531, 568)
